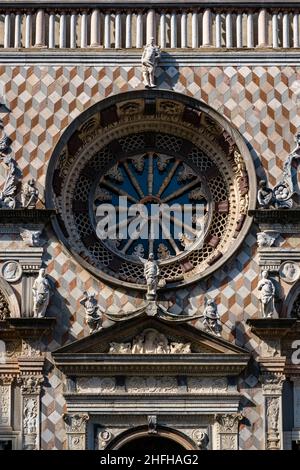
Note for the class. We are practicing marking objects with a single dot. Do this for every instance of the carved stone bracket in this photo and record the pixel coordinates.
(228, 425)
(76, 425)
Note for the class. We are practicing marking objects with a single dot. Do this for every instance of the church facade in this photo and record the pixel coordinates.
(115, 334)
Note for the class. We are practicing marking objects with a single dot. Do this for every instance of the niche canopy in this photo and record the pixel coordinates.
(152, 148)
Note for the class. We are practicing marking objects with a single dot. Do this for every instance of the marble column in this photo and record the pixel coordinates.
(184, 39)
(173, 30)
(118, 31)
(83, 33)
(40, 29)
(150, 26)
(286, 30)
(30, 391)
(17, 41)
(28, 30)
(139, 30)
(239, 30)
(229, 41)
(262, 28)
(128, 31)
(296, 38)
(207, 28)
(7, 20)
(107, 42)
(51, 30)
(275, 31)
(63, 31)
(218, 30)
(195, 30)
(250, 31)
(95, 28)
(73, 24)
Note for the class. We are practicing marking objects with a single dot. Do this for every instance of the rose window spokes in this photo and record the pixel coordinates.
(164, 208)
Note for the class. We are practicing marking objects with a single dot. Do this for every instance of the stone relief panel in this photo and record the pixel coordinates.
(207, 385)
(96, 385)
(151, 385)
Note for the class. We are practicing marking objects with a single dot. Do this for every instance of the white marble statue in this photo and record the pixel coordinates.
(41, 291)
(151, 54)
(30, 195)
(264, 195)
(151, 273)
(9, 190)
(92, 311)
(267, 294)
(211, 320)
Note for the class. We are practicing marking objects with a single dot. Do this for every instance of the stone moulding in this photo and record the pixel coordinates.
(26, 215)
(275, 216)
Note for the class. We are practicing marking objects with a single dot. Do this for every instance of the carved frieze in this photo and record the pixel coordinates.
(96, 384)
(207, 385)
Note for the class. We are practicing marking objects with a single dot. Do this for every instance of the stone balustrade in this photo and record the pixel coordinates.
(180, 27)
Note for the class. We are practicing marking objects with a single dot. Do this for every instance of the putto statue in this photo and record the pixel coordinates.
(41, 291)
(30, 195)
(267, 294)
(92, 311)
(10, 187)
(211, 320)
(264, 194)
(152, 273)
(151, 54)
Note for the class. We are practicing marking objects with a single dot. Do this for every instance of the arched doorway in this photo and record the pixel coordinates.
(152, 444)
(165, 440)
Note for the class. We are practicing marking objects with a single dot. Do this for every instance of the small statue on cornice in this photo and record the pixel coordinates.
(9, 191)
(267, 295)
(93, 314)
(211, 320)
(152, 274)
(151, 54)
(29, 195)
(41, 291)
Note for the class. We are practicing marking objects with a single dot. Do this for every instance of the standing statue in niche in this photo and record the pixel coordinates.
(92, 311)
(267, 294)
(41, 294)
(30, 195)
(151, 54)
(211, 320)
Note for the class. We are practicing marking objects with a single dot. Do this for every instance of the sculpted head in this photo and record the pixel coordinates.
(151, 257)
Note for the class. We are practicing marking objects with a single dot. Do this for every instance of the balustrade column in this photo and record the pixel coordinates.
(173, 30)
(73, 23)
(17, 41)
(118, 31)
(206, 28)
(28, 30)
(52, 31)
(250, 33)
(163, 30)
(128, 42)
(229, 42)
(195, 30)
(7, 30)
(83, 33)
(63, 31)
(239, 30)
(262, 28)
(275, 30)
(150, 30)
(218, 30)
(184, 39)
(95, 28)
(296, 40)
(107, 43)
(139, 30)
(286, 30)
(40, 29)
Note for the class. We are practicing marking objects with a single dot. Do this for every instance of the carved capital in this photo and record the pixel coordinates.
(30, 384)
(229, 422)
(76, 422)
(272, 382)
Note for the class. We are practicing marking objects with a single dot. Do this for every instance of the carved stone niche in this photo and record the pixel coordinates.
(227, 434)
(76, 430)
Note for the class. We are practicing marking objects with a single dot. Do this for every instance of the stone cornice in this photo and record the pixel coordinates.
(25, 327)
(132, 57)
(150, 3)
(276, 216)
(187, 364)
(24, 216)
(268, 327)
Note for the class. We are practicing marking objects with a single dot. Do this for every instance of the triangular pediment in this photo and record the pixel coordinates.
(128, 338)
